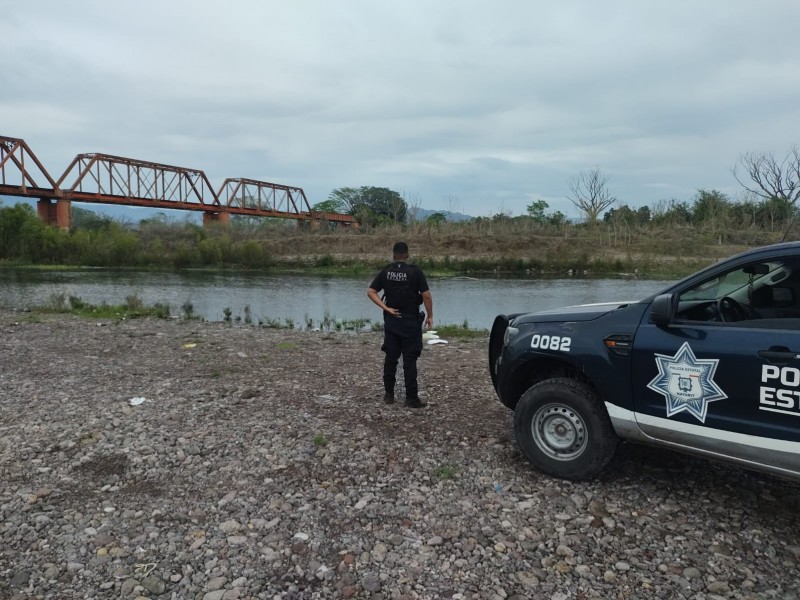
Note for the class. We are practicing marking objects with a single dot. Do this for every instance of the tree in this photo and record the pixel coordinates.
(88, 219)
(775, 213)
(590, 194)
(620, 214)
(710, 207)
(19, 230)
(556, 218)
(537, 211)
(770, 177)
(436, 218)
(640, 216)
(671, 212)
(372, 205)
(745, 212)
(346, 198)
(334, 205)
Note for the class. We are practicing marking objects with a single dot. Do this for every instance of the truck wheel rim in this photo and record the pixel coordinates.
(559, 432)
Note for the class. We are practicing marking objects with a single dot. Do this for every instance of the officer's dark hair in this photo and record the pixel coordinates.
(400, 250)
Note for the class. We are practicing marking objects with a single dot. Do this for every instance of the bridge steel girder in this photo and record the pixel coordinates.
(111, 179)
(20, 170)
(338, 218)
(265, 199)
(249, 196)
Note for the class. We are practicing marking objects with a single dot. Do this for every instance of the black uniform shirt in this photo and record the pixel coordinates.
(403, 284)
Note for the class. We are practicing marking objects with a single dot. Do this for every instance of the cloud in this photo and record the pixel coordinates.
(483, 102)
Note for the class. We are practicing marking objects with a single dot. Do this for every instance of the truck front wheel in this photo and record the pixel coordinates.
(563, 429)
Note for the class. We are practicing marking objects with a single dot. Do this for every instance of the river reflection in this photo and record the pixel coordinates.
(297, 297)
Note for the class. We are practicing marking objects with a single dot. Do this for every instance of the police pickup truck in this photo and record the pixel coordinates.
(710, 366)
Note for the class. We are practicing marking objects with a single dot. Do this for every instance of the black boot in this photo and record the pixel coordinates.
(388, 397)
(415, 402)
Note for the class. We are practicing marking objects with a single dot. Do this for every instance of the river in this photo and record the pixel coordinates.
(300, 297)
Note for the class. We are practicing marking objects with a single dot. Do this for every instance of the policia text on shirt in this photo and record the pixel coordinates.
(405, 288)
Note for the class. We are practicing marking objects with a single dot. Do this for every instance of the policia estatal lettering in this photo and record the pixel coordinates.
(405, 288)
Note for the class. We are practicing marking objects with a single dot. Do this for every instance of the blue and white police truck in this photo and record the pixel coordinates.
(709, 366)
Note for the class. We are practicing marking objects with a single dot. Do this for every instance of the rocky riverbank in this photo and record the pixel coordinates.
(258, 463)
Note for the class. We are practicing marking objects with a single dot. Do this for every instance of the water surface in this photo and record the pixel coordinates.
(296, 297)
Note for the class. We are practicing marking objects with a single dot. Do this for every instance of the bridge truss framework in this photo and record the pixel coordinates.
(107, 179)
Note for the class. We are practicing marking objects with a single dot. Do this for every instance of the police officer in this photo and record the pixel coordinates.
(405, 288)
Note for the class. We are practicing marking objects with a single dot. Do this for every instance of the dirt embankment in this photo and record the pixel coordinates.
(515, 249)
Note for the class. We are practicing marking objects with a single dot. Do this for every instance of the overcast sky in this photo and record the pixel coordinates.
(472, 106)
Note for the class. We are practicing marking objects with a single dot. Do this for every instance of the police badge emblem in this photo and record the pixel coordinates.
(687, 382)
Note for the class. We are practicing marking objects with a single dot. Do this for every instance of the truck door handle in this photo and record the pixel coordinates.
(778, 356)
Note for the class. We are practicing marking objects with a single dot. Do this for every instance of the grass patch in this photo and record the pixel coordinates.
(325, 261)
(270, 323)
(446, 471)
(187, 309)
(320, 440)
(460, 332)
(286, 345)
(327, 323)
(132, 309)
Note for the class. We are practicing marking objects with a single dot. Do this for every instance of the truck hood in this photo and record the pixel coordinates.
(583, 312)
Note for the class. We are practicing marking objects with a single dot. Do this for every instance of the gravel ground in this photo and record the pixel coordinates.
(264, 465)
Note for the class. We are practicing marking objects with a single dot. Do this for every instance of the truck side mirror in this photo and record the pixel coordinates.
(662, 309)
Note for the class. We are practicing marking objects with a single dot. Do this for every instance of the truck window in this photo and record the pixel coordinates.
(759, 291)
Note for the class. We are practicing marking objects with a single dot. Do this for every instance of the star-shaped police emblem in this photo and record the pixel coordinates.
(687, 382)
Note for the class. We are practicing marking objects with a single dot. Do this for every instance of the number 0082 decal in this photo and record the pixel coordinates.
(551, 342)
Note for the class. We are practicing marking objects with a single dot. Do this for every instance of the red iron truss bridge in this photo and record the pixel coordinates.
(107, 179)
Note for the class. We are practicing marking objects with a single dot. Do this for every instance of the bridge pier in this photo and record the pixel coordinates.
(314, 224)
(305, 225)
(211, 218)
(58, 212)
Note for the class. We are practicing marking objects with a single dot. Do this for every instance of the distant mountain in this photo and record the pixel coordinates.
(453, 217)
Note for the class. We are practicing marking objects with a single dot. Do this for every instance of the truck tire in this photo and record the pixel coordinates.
(562, 428)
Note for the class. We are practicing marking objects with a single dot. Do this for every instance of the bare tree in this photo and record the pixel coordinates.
(770, 177)
(590, 194)
(414, 203)
(397, 208)
(453, 204)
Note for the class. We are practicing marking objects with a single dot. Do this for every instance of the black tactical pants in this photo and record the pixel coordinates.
(402, 336)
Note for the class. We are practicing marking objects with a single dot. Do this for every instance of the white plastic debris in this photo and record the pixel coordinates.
(139, 400)
(432, 338)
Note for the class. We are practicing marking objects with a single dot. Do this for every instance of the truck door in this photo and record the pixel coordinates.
(723, 376)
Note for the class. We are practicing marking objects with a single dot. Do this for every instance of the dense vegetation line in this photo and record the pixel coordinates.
(669, 239)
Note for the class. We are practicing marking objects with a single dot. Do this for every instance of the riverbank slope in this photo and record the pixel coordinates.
(162, 458)
(518, 246)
